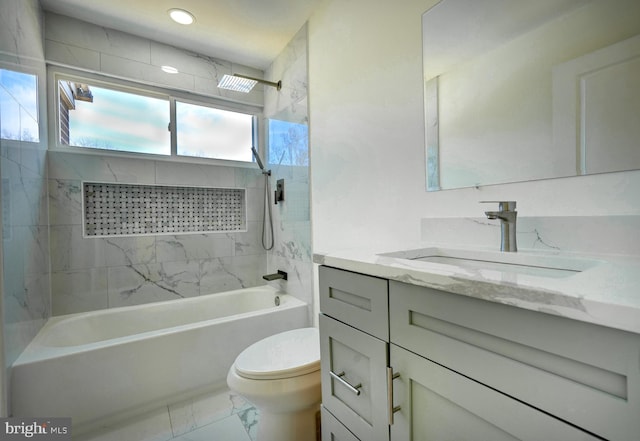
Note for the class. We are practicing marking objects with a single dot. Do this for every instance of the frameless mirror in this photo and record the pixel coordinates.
(518, 90)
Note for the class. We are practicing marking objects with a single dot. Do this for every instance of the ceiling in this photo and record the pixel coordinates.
(249, 32)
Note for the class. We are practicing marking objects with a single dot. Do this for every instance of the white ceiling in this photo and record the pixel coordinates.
(249, 32)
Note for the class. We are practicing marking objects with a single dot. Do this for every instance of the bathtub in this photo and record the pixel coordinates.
(111, 364)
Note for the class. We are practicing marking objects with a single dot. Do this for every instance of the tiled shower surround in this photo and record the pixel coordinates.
(100, 273)
(90, 273)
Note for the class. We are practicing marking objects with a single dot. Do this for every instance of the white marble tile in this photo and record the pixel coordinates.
(250, 418)
(187, 62)
(143, 71)
(33, 157)
(291, 68)
(153, 426)
(255, 204)
(201, 411)
(586, 234)
(616, 235)
(79, 57)
(35, 241)
(99, 168)
(130, 250)
(28, 202)
(250, 242)
(249, 177)
(38, 301)
(73, 32)
(230, 428)
(21, 28)
(69, 250)
(194, 246)
(14, 258)
(79, 291)
(224, 274)
(13, 151)
(172, 173)
(65, 202)
(293, 241)
(137, 284)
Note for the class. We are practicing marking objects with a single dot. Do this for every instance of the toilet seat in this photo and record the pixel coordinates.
(285, 355)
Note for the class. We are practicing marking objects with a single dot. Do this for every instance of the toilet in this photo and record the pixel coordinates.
(280, 375)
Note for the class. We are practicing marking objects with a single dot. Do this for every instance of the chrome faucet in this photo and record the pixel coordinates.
(507, 214)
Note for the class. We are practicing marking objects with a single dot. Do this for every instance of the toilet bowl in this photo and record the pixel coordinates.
(280, 375)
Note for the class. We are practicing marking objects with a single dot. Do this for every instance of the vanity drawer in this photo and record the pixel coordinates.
(585, 374)
(333, 430)
(354, 378)
(360, 300)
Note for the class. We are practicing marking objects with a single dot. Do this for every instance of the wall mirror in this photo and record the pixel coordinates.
(518, 90)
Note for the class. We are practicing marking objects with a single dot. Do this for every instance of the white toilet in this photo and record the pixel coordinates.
(280, 375)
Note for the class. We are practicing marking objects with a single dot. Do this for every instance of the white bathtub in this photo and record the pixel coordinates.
(109, 364)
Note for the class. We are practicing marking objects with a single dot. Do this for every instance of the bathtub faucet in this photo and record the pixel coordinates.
(279, 275)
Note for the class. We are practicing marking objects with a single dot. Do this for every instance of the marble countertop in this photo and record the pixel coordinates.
(606, 292)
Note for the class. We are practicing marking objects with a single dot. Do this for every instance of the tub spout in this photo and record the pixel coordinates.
(279, 275)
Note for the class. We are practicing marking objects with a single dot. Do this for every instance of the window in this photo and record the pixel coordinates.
(207, 132)
(99, 115)
(288, 143)
(19, 106)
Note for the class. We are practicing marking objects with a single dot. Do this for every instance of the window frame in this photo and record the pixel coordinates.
(57, 73)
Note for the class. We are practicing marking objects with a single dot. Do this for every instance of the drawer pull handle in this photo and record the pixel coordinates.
(391, 410)
(355, 389)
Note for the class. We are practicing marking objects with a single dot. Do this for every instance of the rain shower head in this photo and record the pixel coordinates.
(243, 83)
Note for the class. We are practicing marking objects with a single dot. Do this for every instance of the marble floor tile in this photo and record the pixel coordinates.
(201, 411)
(217, 416)
(153, 426)
(228, 429)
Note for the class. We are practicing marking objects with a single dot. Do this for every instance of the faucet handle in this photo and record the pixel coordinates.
(502, 205)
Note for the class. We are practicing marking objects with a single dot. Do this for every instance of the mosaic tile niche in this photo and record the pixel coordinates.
(130, 209)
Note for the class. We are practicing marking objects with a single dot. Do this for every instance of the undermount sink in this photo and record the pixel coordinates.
(532, 264)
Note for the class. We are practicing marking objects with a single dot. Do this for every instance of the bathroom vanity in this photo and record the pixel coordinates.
(413, 349)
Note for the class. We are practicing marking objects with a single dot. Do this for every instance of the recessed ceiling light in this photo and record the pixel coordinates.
(181, 16)
(169, 69)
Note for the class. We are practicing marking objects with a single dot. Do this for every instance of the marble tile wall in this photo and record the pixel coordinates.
(100, 273)
(614, 235)
(288, 158)
(82, 45)
(89, 273)
(23, 171)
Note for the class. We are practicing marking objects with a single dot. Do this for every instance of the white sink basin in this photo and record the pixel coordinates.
(532, 264)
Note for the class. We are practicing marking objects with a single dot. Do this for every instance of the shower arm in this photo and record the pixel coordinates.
(277, 85)
(259, 161)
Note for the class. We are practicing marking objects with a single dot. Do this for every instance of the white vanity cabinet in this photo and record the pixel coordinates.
(467, 369)
(354, 359)
(438, 404)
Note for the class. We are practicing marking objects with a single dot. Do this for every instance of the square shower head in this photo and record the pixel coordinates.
(239, 84)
